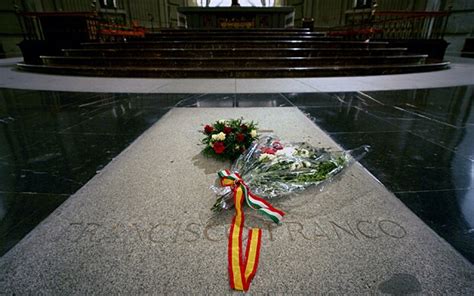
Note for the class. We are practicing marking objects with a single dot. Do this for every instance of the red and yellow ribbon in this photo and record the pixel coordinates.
(242, 270)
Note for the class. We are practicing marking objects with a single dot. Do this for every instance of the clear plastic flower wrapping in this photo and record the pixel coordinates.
(272, 168)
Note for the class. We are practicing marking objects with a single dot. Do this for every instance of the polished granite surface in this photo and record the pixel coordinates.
(422, 149)
(52, 143)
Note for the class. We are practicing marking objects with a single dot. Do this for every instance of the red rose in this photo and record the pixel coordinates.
(218, 147)
(244, 127)
(240, 137)
(268, 150)
(277, 145)
(208, 129)
(227, 130)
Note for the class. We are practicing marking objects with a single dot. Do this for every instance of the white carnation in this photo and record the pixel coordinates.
(304, 153)
(218, 137)
(293, 167)
(253, 133)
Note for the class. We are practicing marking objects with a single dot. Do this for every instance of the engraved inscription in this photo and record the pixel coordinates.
(193, 232)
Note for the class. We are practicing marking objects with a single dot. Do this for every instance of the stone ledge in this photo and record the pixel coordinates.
(136, 228)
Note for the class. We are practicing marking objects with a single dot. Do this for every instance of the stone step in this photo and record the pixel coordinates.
(235, 33)
(225, 37)
(221, 72)
(221, 30)
(238, 52)
(233, 62)
(237, 44)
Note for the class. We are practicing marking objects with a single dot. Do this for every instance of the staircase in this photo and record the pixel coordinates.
(257, 53)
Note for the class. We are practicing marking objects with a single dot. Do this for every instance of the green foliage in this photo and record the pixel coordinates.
(272, 168)
(227, 139)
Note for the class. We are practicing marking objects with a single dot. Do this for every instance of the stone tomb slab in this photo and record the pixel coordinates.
(143, 225)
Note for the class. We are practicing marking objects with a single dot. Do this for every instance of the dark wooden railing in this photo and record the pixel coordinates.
(77, 26)
(56, 25)
(108, 31)
(393, 24)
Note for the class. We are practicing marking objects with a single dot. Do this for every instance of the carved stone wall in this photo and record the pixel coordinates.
(460, 25)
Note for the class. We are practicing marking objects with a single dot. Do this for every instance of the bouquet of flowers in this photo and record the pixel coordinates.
(267, 169)
(271, 168)
(227, 139)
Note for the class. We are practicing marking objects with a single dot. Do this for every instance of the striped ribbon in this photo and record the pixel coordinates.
(242, 271)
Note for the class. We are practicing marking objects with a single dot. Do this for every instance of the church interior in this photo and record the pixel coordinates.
(103, 189)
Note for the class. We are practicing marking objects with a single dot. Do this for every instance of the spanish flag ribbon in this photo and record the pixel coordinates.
(242, 271)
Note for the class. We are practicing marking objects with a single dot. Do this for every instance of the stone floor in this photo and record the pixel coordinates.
(54, 142)
(137, 228)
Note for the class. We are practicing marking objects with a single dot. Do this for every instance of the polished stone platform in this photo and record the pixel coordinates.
(231, 43)
(234, 54)
(460, 73)
(231, 62)
(231, 72)
(134, 228)
(238, 52)
(239, 36)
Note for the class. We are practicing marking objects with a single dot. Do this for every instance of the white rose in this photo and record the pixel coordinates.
(221, 136)
(253, 133)
(222, 121)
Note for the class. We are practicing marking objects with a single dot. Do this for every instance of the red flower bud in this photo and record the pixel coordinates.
(268, 150)
(277, 145)
(218, 147)
(208, 129)
(239, 137)
(227, 130)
